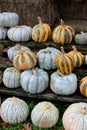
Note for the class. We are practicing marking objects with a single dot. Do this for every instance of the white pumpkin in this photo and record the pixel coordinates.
(9, 19)
(86, 59)
(3, 33)
(63, 84)
(75, 117)
(46, 58)
(34, 81)
(11, 77)
(44, 115)
(20, 33)
(14, 110)
(12, 51)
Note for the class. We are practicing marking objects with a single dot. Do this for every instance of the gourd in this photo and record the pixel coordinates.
(25, 60)
(44, 115)
(81, 38)
(46, 58)
(12, 51)
(77, 56)
(3, 33)
(34, 81)
(64, 62)
(11, 77)
(20, 33)
(83, 86)
(41, 32)
(63, 34)
(63, 84)
(85, 59)
(75, 117)
(9, 19)
(14, 110)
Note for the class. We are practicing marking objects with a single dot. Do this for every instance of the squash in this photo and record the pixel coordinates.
(64, 62)
(11, 77)
(83, 86)
(85, 59)
(41, 32)
(44, 115)
(46, 58)
(12, 51)
(14, 110)
(3, 33)
(81, 38)
(63, 84)
(20, 33)
(75, 117)
(63, 34)
(9, 19)
(77, 56)
(25, 60)
(34, 81)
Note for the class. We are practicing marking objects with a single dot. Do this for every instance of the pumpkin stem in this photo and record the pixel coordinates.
(74, 48)
(82, 32)
(20, 48)
(46, 51)
(40, 20)
(62, 50)
(62, 23)
(60, 73)
(34, 72)
(84, 110)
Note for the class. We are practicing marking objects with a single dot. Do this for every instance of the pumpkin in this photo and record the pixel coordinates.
(11, 77)
(14, 110)
(20, 33)
(25, 60)
(41, 32)
(63, 84)
(85, 59)
(83, 86)
(3, 33)
(75, 117)
(44, 115)
(46, 58)
(63, 34)
(64, 62)
(77, 56)
(12, 51)
(9, 19)
(81, 38)
(35, 80)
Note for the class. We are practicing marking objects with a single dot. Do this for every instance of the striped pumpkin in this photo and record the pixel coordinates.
(77, 56)
(41, 32)
(25, 60)
(63, 34)
(64, 62)
(83, 86)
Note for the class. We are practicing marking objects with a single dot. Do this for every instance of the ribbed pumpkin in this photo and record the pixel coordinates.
(63, 34)
(14, 110)
(83, 86)
(41, 32)
(64, 62)
(77, 56)
(3, 33)
(25, 60)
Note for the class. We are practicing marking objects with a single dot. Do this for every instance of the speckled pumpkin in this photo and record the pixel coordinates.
(11, 77)
(64, 62)
(12, 51)
(25, 60)
(63, 84)
(46, 58)
(83, 86)
(63, 34)
(14, 110)
(41, 32)
(44, 115)
(35, 80)
(77, 56)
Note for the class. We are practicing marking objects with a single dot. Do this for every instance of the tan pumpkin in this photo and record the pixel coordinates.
(77, 56)
(63, 34)
(25, 60)
(41, 32)
(83, 86)
(64, 62)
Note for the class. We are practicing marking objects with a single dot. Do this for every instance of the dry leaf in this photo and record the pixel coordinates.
(3, 124)
(63, 129)
(26, 126)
